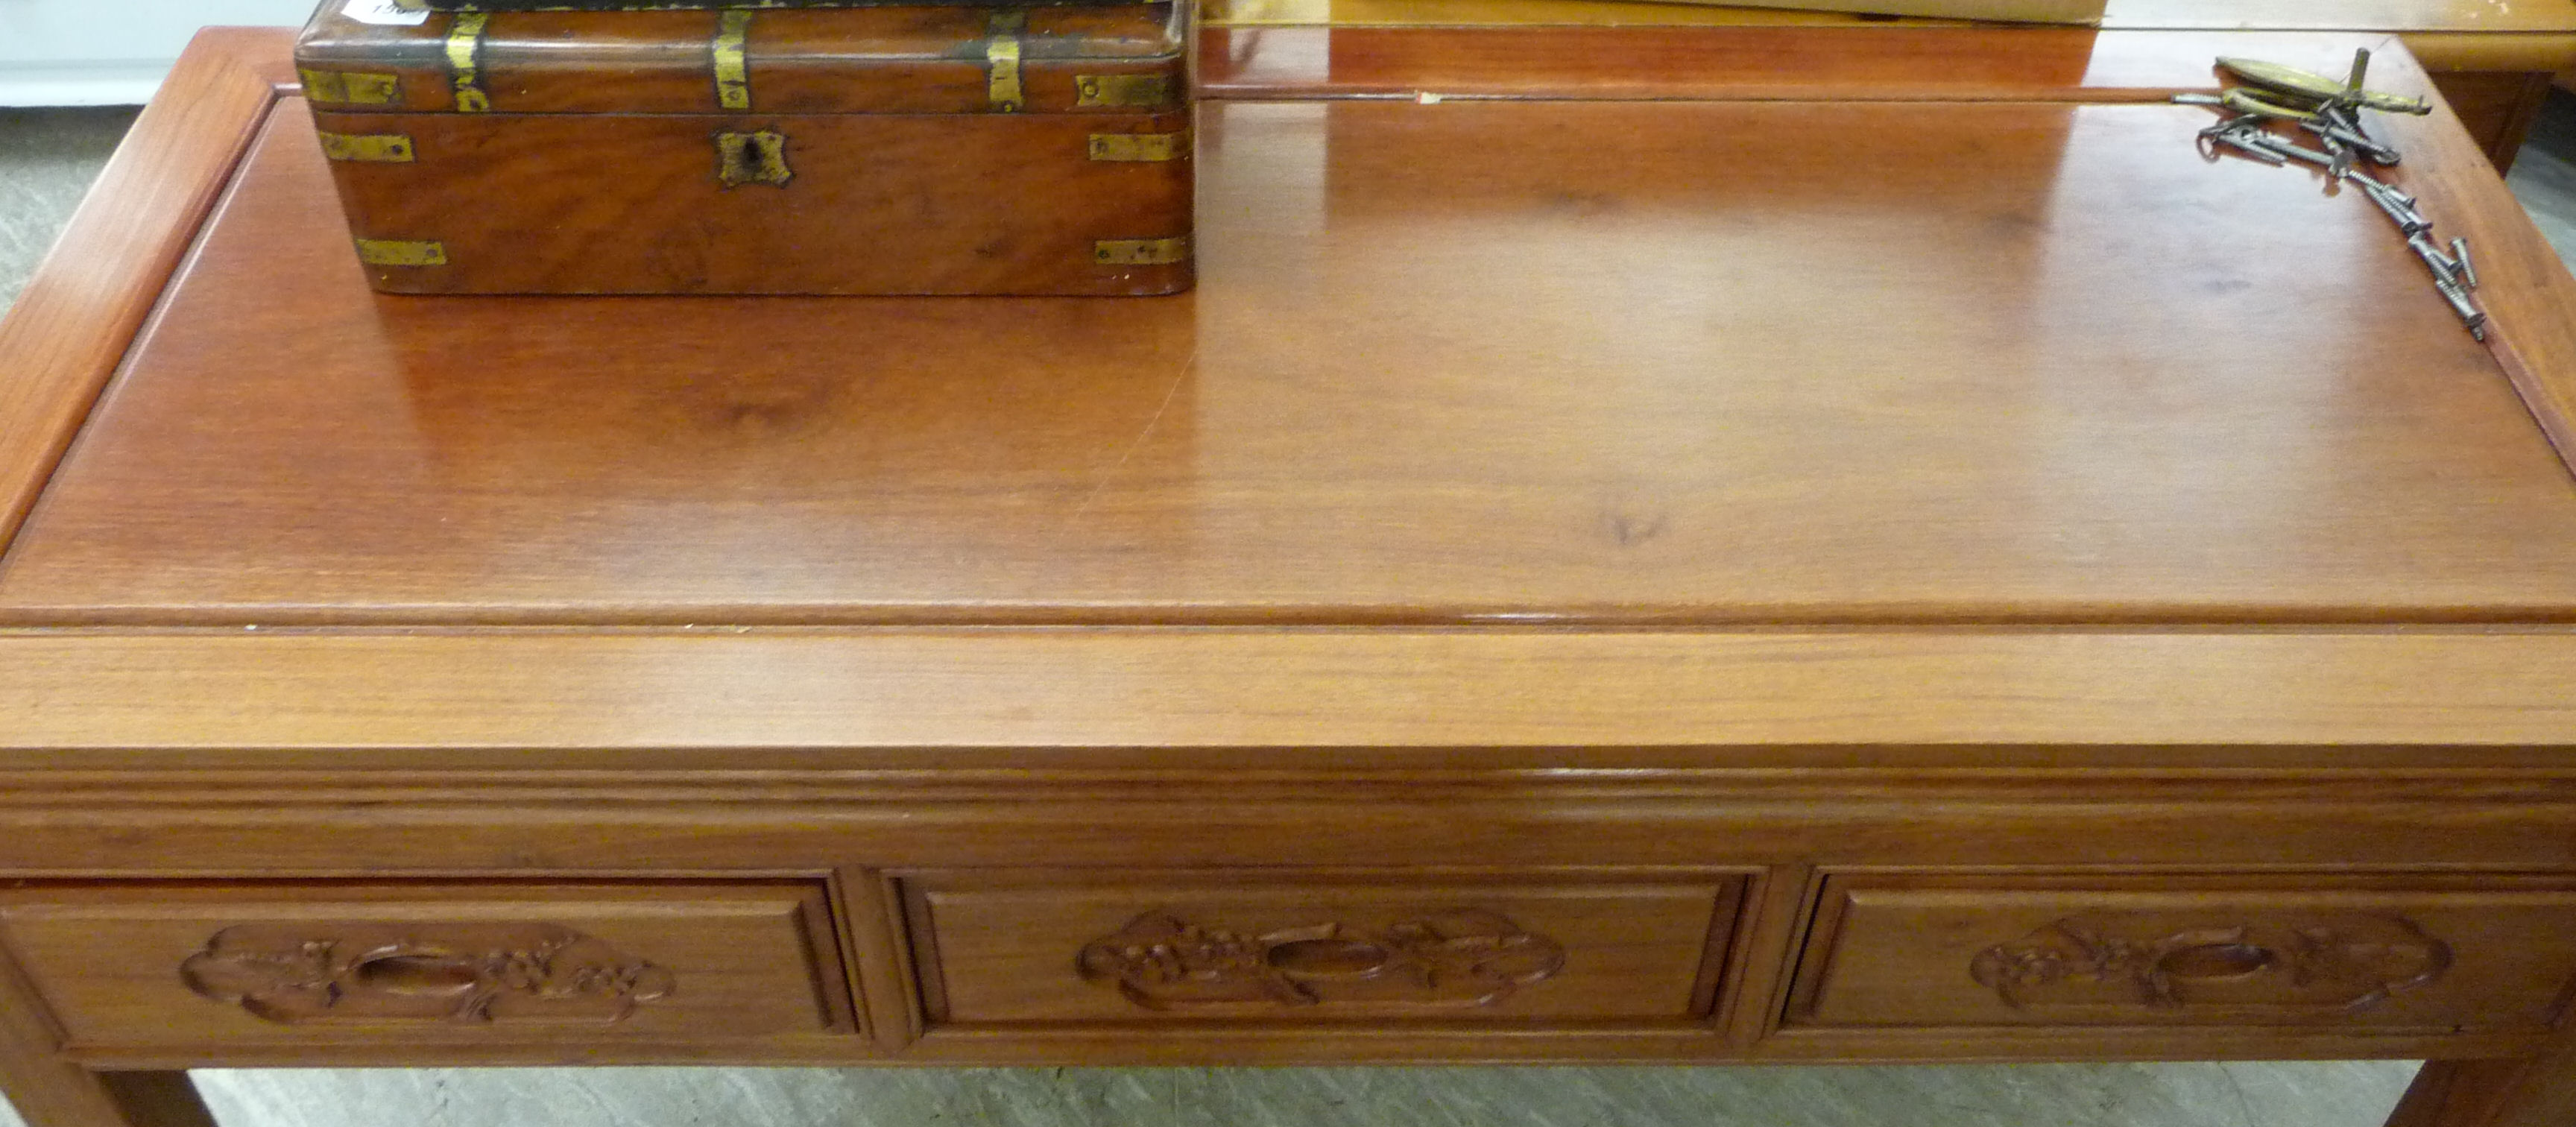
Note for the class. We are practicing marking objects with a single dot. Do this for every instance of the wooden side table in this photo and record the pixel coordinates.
(2493, 62)
(1785, 555)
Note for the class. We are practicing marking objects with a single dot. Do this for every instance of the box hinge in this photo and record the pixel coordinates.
(1140, 146)
(465, 61)
(1002, 59)
(1141, 252)
(1122, 89)
(733, 60)
(369, 148)
(398, 252)
(347, 88)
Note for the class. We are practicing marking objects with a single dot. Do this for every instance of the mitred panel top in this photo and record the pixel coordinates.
(1468, 361)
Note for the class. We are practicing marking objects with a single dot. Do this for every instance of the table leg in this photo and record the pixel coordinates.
(2496, 107)
(51, 1092)
(2536, 1092)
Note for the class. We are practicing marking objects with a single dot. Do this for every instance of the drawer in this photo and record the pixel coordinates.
(1193, 947)
(2415, 954)
(127, 966)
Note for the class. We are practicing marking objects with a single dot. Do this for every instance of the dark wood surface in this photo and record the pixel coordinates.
(1562, 510)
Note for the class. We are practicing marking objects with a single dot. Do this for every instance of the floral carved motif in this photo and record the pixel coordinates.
(383, 972)
(2348, 961)
(1448, 959)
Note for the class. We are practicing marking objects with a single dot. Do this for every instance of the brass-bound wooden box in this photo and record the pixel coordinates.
(866, 150)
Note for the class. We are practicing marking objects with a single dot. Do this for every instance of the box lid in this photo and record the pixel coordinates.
(893, 59)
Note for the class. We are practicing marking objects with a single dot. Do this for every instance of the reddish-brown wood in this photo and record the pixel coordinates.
(924, 698)
(46, 1091)
(132, 969)
(1719, 399)
(2493, 61)
(1630, 519)
(1183, 950)
(1795, 63)
(1931, 952)
(2525, 286)
(893, 59)
(2539, 1091)
(630, 204)
(2496, 108)
(67, 330)
(913, 150)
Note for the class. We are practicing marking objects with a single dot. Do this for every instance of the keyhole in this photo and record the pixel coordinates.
(751, 158)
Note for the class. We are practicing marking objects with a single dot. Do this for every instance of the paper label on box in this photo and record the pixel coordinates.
(385, 12)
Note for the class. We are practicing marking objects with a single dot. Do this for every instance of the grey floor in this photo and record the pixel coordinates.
(47, 158)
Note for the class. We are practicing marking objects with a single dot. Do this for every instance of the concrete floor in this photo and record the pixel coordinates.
(47, 158)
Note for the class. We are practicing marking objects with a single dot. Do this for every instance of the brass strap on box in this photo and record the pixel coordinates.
(1141, 252)
(348, 88)
(399, 252)
(733, 60)
(1140, 146)
(1002, 57)
(1122, 90)
(368, 148)
(464, 61)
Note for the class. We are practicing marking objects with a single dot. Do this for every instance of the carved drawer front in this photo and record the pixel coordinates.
(993, 949)
(242, 965)
(2350, 952)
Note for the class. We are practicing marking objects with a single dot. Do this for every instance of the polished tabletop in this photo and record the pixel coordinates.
(1474, 361)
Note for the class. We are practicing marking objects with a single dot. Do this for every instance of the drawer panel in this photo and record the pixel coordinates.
(157, 965)
(2369, 955)
(1020, 948)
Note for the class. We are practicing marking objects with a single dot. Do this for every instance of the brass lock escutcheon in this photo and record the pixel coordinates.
(752, 158)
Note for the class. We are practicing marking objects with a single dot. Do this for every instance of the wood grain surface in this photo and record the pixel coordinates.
(1898, 951)
(872, 204)
(2525, 286)
(2281, 697)
(1002, 951)
(1553, 498)
(68, 329)
(2463, 16)
(2448, 35)
(2039, 364)
(1871, 61)
(2493, 60)
(894, 59)
(733, 961)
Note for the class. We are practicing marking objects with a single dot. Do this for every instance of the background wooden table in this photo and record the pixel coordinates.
(2493, 62)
